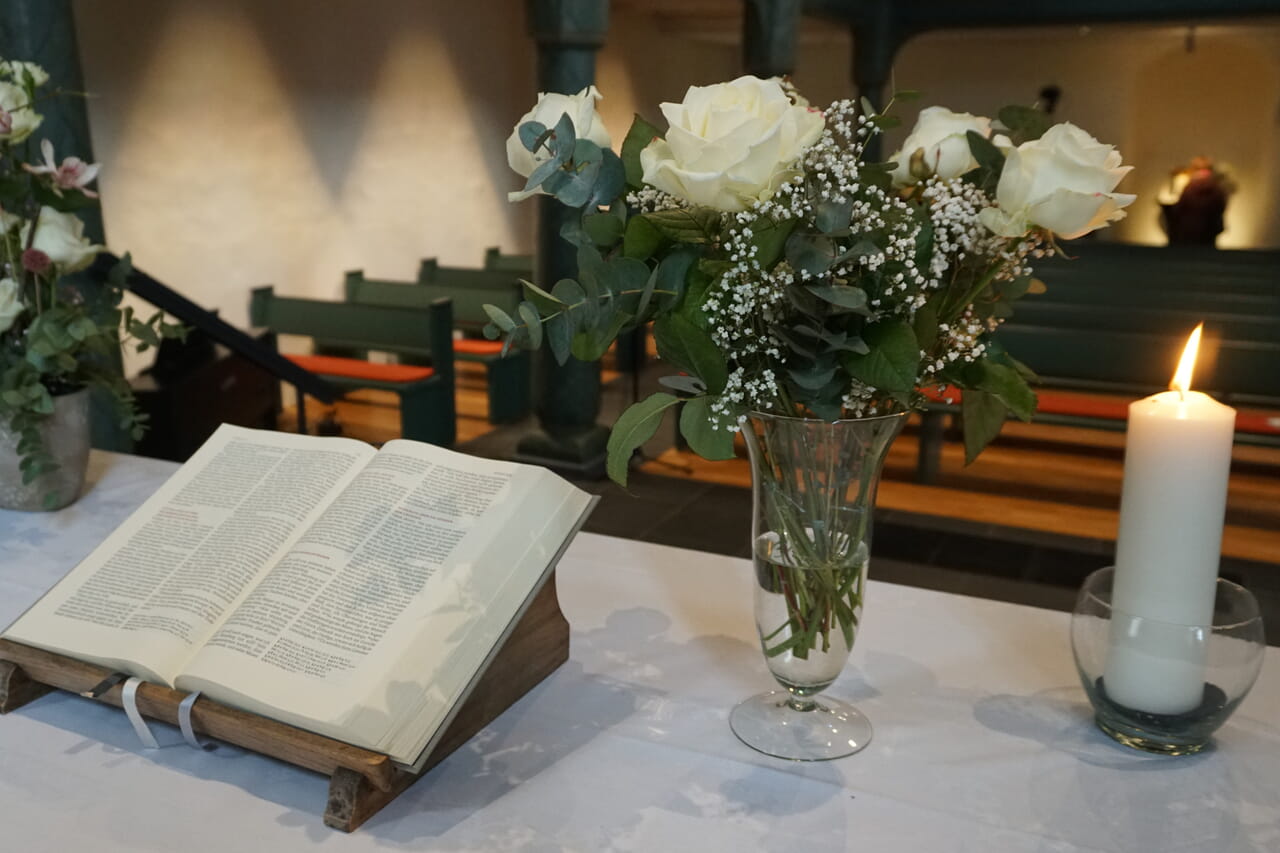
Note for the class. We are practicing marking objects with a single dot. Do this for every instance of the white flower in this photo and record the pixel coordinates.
(1061, 182)
(10, 302)
(581, 109)
(17, 119)
(730, 144)
(61, 237)
(940, 139)
(15, 68)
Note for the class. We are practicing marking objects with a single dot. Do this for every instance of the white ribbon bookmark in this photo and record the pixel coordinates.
(129, 698)
(184, 723)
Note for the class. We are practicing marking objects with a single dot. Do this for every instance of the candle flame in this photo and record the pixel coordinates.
(1182, 376)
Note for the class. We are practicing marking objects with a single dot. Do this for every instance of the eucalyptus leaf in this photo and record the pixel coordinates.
(546, 302)
(610, 181)
(532, 135)
(532, 322)
(843, 296)
(811, 253)
(559, 334)
(813, 378)
(563, 140)
(499, 318)
(832, 216)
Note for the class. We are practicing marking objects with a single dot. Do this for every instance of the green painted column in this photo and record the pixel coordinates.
(769, 36)
(876, 39)
(568, 33)
(44, 32)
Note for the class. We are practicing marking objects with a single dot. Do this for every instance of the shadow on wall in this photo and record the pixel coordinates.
(244, 143)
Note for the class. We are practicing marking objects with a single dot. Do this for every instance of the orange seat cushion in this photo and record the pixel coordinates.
(1114, 409)
(471, 346)
(355, 368)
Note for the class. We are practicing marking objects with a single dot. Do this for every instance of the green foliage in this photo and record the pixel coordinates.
(1024, 123)
(690, 226)
(990, 162)
(860, 318)
(634, 427)
(892, 361)
(640, 135)
(706, 437)
(982, 415)
(689, 348)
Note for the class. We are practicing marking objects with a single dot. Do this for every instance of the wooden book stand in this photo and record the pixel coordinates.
(360, 781)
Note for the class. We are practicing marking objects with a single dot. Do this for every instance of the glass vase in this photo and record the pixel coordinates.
(1217, 663)
(813, 491)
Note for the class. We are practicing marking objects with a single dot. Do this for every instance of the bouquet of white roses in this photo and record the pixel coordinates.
(784, 272)
(54, 339)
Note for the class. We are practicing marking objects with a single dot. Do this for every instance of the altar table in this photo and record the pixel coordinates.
(983, 738)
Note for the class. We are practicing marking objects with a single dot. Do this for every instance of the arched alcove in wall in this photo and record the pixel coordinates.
(1217, 99)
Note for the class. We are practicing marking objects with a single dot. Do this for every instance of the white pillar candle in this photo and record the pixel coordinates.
(1177, 463)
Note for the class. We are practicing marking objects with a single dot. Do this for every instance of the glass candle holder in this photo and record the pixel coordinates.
(1225, 657)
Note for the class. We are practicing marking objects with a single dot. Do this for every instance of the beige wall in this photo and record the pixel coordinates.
(1139, 88)
(245, 142)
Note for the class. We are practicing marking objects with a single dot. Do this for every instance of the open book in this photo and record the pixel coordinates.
(350, 592)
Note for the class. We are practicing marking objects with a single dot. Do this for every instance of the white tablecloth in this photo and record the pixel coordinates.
(983, 737)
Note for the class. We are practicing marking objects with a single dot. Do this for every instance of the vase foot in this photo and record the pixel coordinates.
(770, 724)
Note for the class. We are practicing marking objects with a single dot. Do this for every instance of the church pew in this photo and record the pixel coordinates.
(426, 393)
(1115, 319)
(509, 377)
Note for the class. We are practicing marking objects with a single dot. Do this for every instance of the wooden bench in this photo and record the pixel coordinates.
(426, 392)
(1114, 321)
(509, 378)
(520, 265)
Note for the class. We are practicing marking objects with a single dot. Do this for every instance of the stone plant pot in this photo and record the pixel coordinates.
(66, 435)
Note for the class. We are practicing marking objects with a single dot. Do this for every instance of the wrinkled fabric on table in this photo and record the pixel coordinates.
(983, 737)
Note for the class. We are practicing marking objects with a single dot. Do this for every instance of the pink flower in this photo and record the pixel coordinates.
(6, 121)
(73, 174)
(36, 261)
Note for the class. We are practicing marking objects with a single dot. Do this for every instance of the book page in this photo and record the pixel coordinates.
(324, 639)
(154, 591)
(402, 529)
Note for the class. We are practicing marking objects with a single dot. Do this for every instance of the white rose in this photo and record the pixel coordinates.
(581, 109)
(17, 119)
(730, 144)
(941, 138)
(61, 237)
(10, 302)
(15, 68)
(1061, 182)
